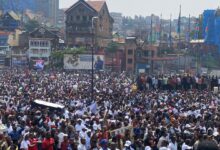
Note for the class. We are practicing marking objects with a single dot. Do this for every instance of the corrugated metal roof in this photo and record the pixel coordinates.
(14, 15)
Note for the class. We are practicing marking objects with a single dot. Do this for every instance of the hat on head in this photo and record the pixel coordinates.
(127, 143)
(210, 132)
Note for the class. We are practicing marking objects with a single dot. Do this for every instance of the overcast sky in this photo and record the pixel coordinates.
(146, 7)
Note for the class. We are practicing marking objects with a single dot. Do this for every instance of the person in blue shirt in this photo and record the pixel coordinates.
(16, 134)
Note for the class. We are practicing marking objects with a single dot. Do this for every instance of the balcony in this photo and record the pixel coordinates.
(39, 53)
(79, 30)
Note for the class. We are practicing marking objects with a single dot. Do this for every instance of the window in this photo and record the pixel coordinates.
(41, 43)
(130, 52)
(46, 44)
(71, 18)
(84, 18)
(35, 51)
(43, 51)
(146, 53)
(78, 18)
(130, 61)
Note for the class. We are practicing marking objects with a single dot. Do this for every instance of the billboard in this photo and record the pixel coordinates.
(83, 62)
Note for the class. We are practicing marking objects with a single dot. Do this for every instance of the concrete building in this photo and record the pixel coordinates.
(211, 27)
(49, 9)
(42, 42)
(18, 41)
(139, 55)
(4, 48)
(61, 18)
(117, 26)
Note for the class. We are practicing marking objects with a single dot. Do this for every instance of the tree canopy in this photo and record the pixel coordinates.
(31, 25)
(112, 47)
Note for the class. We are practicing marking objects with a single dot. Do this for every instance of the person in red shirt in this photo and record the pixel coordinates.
(33, 143)
(48, 142)
(65, 143)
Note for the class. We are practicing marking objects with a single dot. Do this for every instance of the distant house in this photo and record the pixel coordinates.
(10, 21)
(4, 47)
(41, 42)
(79, 20)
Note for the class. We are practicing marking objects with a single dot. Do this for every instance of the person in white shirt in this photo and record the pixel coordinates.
(186, 146)
(173, 144)
(78, 126)
(162, 138)
(60, 138)
(25, 143)
(82, 145)
(96, 126)
(164, 145)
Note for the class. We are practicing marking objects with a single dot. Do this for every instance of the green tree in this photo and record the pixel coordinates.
(57, 57)
(112, 48)
(31, 25)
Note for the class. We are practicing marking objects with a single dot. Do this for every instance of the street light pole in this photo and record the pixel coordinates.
(93, 43)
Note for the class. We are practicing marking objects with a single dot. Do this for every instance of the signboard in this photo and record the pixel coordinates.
(121, 131)
(83, 62)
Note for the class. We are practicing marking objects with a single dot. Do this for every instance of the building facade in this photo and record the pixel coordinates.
(211, 27)
(79, 21)
(41, 43)
(4, 48)
(140, 56)
(118, 20)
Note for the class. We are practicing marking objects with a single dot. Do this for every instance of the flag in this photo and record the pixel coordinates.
(93, 107)
(151, 29)
(196, 30)
(160, 28)
(187, 35)
(179, 22)
(170, 34)
(207, 29)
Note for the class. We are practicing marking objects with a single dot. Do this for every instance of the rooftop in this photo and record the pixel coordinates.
(97, 5)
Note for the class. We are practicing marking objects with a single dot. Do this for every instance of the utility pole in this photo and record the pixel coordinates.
(151, 43)
(93, 44)
(170, 36)
(179, 31)
(160, 34)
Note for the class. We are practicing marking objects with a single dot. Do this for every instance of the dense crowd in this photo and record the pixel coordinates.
(127, 113)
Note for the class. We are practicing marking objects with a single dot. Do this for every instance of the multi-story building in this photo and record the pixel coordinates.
(80, 18)
(18, 41)
(140, 57)
(48, 9)
(61, 18)
(42, 42)
(4, 47)
(118, 19)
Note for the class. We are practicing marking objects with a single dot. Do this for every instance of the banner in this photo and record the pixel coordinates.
(39, 64)
(83, 62)
(122, 131)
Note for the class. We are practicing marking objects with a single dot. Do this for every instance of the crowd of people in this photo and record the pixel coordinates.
(127, 113)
